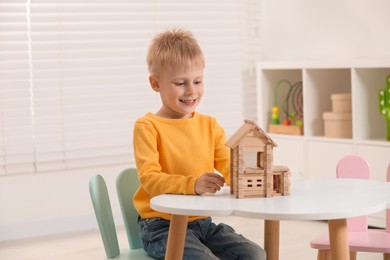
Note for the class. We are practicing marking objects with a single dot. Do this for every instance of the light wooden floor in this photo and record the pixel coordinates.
(295, 238)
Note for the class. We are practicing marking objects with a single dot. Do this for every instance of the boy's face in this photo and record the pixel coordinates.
(181, 90)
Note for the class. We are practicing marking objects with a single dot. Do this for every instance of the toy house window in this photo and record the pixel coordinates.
(254, 159)
(254, 183)
(251, 160)
(260, 160)
(277, 184)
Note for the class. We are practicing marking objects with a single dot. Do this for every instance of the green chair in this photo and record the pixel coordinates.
(127, 184)
(103, 212)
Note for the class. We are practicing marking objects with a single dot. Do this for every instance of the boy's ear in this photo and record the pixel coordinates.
(154, 83)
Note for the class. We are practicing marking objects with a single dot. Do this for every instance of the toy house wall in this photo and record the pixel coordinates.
(244, 179)
(247, 185)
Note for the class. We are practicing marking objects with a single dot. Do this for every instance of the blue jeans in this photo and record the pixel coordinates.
(204, 240)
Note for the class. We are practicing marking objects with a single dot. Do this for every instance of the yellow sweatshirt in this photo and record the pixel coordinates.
(171, 154)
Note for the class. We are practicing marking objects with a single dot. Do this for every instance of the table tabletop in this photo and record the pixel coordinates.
(333, 200)
(309, 200)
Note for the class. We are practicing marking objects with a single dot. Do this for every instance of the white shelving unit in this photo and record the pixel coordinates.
(312, 155)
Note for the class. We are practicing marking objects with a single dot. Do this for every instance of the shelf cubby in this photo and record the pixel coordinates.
(319, 85)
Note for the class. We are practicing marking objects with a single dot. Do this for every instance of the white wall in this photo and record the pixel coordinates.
(330, 30)
(44, 204)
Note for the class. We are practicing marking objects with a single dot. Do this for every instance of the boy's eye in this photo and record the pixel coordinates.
(179, 83)
(198, 82)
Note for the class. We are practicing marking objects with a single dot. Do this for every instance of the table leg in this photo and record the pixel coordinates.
(271, 239)
(338, 238)
(176, 237)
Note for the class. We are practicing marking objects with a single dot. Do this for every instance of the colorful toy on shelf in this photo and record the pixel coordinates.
(384, 106)
(275, 115)
(292, 100)
(262, 178)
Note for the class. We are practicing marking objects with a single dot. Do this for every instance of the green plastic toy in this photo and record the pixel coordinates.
(384, 105)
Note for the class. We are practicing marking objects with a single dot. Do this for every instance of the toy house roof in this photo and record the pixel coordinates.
(246, 128)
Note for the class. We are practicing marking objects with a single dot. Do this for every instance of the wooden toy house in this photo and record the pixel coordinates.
(257, 177)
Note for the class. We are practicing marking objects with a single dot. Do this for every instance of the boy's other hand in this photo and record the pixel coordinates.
(209, 182)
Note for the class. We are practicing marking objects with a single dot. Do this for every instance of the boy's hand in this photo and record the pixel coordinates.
(209, 182)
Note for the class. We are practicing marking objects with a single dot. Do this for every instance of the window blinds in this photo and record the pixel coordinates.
(73, 76)
(16, 126)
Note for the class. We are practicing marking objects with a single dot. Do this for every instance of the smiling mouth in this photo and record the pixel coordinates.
(188, 101)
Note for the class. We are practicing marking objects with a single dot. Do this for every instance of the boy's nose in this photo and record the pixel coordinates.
(190, 88)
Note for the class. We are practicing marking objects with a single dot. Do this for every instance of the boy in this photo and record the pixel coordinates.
(177, 150)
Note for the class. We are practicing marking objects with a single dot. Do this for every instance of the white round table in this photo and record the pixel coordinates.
(331, 199)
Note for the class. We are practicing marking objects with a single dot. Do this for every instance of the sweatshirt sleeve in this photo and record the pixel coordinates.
(221, 153)
(153, 180)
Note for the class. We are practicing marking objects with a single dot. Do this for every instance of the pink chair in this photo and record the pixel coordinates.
(360, 238)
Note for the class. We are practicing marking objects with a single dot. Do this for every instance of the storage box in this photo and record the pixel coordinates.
(341, 103)
(338, 125)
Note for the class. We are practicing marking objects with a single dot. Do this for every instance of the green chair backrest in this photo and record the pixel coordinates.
(127, 184)
(103, 212)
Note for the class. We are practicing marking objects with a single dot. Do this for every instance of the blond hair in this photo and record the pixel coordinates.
(173, 47)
